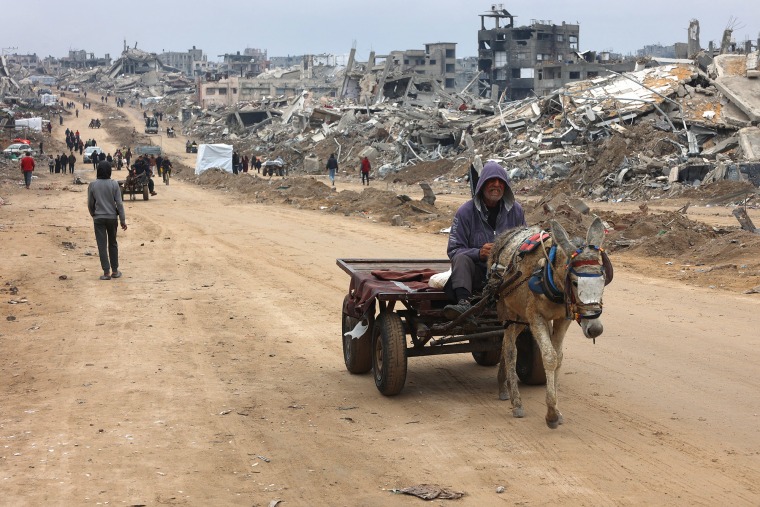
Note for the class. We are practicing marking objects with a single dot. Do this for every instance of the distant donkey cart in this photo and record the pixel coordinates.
(135, 185)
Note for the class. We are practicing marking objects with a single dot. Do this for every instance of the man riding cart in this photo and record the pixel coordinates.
(139, 180)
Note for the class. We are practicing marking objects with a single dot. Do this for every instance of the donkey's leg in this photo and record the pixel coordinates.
(542, 332)
(507, 369)
(512, 381)
(502, 378)
(559, 329)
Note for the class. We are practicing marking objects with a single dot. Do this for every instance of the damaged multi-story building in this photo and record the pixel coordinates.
(438, 60)
(249, 64)
(519, 61)
(136, 61)
(30, 62)
(191, 62)
(81, 59)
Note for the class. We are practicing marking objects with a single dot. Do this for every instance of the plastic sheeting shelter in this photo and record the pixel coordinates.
(214, 155)
(48, 99)
(29, 123)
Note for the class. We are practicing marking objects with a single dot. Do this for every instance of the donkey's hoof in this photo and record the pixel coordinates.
(518, 412)
(503, 396)
(553, 424)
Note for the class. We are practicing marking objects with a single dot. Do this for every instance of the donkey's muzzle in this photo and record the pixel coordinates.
(591, 327)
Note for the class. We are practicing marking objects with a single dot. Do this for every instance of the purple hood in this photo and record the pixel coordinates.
(493, 170)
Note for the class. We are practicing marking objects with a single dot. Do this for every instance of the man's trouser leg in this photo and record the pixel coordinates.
(101, 238)
(467, 274)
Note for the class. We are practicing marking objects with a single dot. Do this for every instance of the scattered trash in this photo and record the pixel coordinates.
(430, 492)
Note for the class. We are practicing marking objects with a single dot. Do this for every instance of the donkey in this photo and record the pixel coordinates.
(566, 282)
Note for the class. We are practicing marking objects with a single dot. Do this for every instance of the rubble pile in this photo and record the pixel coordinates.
(670, 129)
(653, 132)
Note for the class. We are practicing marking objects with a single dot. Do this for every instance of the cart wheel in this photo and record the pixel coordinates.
(489, 358)
(146, 195)
(357, 352)
(389, 354)
(530, 365)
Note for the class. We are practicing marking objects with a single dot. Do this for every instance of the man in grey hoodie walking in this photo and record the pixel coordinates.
(107, 211)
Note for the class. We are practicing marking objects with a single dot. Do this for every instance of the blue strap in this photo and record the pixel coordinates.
(549, 272)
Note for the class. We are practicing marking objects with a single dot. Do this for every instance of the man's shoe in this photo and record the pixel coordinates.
(451, 312)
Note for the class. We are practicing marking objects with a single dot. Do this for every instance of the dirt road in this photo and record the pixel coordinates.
(212, 374)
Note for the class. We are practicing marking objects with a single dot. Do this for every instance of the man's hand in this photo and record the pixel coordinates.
(485, 251)
(124, 227)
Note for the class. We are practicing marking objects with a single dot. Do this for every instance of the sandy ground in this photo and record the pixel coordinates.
(212, 373)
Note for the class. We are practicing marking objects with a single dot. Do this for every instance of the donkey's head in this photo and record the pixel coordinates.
(586, 276)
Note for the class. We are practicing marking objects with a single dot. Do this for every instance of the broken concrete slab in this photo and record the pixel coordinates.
(749, 140)
(743, 92)
(429, 195)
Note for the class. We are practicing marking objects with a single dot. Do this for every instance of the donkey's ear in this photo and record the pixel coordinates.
(560, 236)
(595, 235)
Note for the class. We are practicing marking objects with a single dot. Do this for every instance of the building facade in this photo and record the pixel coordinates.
(510, 56)
(438, 60)
(192, 62)
(517, 62)
(30, 62)
(81, 59)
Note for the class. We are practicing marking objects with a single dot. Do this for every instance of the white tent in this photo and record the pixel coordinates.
(214, 155)
(30, 123)
(48, 99)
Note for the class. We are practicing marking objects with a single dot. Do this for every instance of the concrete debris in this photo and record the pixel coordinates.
(745, 221)
(670, 125)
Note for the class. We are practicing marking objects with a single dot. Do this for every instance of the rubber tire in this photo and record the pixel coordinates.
(146, 194)
(530, 365)
(490, 358)
(389, 354)
(357, 353)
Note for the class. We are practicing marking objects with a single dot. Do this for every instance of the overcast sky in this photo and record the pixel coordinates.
(294, 27)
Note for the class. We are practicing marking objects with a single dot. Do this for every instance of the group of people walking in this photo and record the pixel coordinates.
(61, 162)
(244, 164)
(74, 143)
(365, 167)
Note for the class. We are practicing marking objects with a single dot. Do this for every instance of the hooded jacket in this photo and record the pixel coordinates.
(470, 229)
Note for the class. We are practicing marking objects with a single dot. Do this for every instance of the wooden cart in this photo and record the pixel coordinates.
(389, 299)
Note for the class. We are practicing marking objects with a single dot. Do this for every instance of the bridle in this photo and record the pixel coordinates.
(583, 285)
(582, 277)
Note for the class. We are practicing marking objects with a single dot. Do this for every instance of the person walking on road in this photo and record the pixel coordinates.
(72, 160)
(332, 167)
(107, 212)
(27, 167)
(366, 168)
